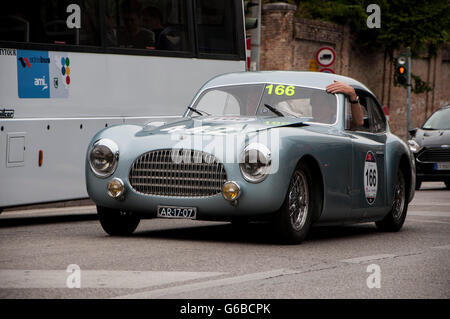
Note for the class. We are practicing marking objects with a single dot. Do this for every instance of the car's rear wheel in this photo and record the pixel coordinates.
(294, 219)
(116, 222)
(396, 217)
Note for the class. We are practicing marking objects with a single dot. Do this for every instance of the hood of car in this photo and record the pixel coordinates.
(220, 125)
(432, 138)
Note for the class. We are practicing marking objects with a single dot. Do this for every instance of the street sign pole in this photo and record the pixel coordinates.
(408, 94)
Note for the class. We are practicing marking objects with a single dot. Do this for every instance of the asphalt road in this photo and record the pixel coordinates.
(49, 253)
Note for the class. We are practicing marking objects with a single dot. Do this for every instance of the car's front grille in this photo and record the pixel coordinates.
(174, 172)
(434, 155)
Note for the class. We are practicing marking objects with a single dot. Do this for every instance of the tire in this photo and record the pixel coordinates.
(117, 223)
(418, 184)
(447, 183)
(294, 218)
(394, 220)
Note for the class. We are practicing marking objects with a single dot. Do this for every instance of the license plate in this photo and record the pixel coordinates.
(442, 166)
(177, 212)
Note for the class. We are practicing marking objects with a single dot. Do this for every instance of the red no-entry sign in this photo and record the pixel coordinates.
(325, 56)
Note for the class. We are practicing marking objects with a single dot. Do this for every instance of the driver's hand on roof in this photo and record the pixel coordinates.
(341, 87)
(357, 113)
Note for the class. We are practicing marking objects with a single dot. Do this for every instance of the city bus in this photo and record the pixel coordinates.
(69, 68)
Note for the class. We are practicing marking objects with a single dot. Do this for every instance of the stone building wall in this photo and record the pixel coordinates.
(289, 43)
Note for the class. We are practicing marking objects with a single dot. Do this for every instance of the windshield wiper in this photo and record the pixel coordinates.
(199, 112)
(194, 110)
(274, 110)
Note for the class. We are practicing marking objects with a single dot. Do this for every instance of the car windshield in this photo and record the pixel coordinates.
(315, 105)
(440, 120)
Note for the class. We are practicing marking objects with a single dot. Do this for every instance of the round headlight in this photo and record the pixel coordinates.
(413, 146)
(231, 191)
(115, 188)
(255, 162)
(103, 157)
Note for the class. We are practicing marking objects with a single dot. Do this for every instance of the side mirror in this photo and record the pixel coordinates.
(413, 132)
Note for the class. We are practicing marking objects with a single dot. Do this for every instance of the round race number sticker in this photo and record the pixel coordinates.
(370, 177)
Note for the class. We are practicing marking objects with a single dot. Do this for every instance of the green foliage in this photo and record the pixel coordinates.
(419, 24)
(285, 1)
(419, 85)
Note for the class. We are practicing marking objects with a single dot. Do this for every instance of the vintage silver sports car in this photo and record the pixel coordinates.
(269, 146)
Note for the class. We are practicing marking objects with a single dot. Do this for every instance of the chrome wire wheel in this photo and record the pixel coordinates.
(399, 198)
(298, 200)
(396, 216)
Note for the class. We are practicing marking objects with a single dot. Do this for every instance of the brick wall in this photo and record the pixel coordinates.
(289, 43)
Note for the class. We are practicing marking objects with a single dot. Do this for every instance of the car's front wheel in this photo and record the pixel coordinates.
(117, 222)
(294, 219)
(396, 217)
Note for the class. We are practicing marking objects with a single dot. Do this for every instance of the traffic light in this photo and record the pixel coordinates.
(401, 70)
(250, 23)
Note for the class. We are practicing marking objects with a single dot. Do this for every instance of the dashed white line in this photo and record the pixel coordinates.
(428, 221)
(47, 212)
(359, 260)
(25, 279)
(429, 214)
(158, 293)
(441, 247)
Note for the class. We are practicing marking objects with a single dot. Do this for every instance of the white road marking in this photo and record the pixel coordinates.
(359, 260)
(96, 278)
(429, 214)
(441, 247)
(158, 293)
(43, 212)
(427, 221)
(428, 204)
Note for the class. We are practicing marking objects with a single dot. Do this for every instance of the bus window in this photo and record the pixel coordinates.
(72, 22)
(147, 24)
(216, 27)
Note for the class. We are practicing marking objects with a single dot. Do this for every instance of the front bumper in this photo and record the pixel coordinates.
(255, 199)
(428, 172)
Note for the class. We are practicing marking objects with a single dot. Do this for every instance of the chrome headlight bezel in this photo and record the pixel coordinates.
(256, 157)
(414, 146)
(110, 156)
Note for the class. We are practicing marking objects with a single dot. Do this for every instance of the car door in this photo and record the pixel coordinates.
(368, 170)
